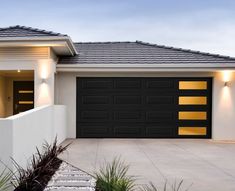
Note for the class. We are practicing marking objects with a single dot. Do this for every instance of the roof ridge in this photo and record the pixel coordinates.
(186, 50)
(32, 29)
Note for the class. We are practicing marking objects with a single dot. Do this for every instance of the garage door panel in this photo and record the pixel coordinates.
(127, 116)
(162, 100)
(193, 93)
(129, 130)
(157, 84)
(98, 107)
(97, 84)
(160, 116)
(128, 83)
(95, 116)
(94, 130)
(159, 107)
(128, 99)
(197, 123)
(93, 99)
(160, 131)
(194, 108)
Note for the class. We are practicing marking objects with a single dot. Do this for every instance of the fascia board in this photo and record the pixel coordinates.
(21, 41)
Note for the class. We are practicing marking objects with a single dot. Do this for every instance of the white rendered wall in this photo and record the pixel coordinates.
(66, 93)
(6, 143)
(223, 124)
(22, 133)
(59, 129)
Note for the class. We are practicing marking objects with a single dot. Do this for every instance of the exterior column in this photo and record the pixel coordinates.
(223, 109)
(44, 82)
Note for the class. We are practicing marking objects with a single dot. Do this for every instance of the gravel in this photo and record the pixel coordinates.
(70, 178)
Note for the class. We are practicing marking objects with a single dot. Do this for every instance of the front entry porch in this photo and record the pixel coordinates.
(16, 92)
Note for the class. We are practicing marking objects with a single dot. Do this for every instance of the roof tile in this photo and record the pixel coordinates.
(139, 53)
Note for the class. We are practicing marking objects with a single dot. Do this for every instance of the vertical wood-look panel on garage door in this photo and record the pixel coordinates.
(138, 107)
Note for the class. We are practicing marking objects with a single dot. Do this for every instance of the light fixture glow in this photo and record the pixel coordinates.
(43, 80)
(226, 77)
(226, 84)
(18, 71)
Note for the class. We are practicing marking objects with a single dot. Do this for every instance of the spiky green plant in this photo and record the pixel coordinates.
(113, 177)
(174, 187)
(5, 178)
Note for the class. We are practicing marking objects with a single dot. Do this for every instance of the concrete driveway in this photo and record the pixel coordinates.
(203, 164)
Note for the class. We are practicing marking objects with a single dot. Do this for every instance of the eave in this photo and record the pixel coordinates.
(62, 45)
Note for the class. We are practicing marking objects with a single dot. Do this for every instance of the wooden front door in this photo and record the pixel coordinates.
(23, 93)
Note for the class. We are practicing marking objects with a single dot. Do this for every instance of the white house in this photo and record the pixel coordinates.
(108, 90)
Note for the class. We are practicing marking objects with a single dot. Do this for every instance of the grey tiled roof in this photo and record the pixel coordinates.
(22, 31)
(139, 53)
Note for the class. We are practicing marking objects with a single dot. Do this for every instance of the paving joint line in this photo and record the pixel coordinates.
(210, 163)
(151, 161)
(96, 154)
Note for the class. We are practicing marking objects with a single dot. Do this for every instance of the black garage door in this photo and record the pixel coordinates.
(144, 107)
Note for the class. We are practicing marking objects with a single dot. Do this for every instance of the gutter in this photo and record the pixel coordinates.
(141, 67)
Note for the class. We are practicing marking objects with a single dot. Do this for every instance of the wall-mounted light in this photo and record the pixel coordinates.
(18, 71)
(226, 77)
(43, 80)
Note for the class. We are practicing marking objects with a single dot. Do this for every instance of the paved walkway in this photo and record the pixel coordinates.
(207, 165)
